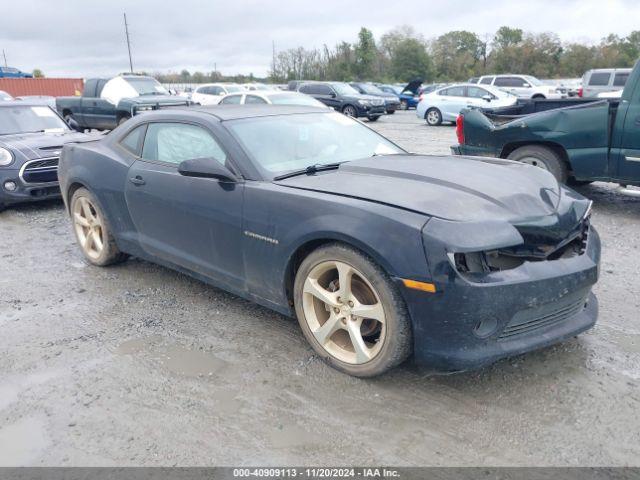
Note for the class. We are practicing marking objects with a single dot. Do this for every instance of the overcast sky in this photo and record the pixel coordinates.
(86, 38)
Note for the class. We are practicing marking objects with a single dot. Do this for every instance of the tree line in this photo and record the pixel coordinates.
(403, 54)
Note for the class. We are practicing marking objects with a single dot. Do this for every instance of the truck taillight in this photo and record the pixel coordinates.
(460, 129)
(580, 92)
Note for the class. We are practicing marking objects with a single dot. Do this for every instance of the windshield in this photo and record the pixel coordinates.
(25, 119)
(533, 80)
(147, 86)
(294, 99)
(371, 89)
(279, 144)
(344, 89)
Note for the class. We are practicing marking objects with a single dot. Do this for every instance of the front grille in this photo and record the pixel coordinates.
(43, 170)
(527, 321)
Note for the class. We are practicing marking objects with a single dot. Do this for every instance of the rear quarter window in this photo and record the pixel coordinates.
(599, 79)
(620, 79)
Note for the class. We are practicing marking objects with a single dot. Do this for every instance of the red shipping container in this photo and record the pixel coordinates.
(54, 87)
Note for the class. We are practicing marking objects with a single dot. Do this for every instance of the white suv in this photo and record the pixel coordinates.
(523, 86)
(212, 93)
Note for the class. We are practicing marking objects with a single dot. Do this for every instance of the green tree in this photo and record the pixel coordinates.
(365, 54)
(457, 55)
(410, 61)
(37, 73)
(507, 37)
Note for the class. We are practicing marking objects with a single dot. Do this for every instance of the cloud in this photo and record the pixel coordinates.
(80, 38)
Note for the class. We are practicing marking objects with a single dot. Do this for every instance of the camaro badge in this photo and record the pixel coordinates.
(257, 236)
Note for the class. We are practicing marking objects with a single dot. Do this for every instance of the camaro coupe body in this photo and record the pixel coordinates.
(31, 138)
(377, 252)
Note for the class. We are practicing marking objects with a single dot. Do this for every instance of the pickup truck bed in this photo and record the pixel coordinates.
(581, 140)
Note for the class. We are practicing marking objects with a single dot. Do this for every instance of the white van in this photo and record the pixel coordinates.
(600, 80)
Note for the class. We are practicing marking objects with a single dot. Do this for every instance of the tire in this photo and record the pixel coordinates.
(578, 183)
(374, 119)
(350, 111)
(404, 105)
(3, 207)
(382, 345)
(390, 112)
(433, 116)
(123, 119)
(539, 97)
(543, 157)
(93, 225)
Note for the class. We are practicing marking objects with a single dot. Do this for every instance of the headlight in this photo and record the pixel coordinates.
(364, 102)
(6, 157)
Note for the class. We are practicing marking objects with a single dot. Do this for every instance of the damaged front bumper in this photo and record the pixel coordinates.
(475, 320)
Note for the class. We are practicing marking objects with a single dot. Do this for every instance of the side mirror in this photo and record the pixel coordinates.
(73, 124)
(205, 168)
(487, 98)
(332, 95)
(526, 85)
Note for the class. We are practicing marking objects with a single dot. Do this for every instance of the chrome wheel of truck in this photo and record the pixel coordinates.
(542, 157)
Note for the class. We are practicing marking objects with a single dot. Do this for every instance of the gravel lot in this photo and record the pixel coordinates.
(139, 365)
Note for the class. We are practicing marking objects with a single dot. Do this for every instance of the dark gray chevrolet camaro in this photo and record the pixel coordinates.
(378, 253)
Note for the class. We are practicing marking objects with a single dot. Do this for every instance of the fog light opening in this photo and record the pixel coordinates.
(10, 186)
(486, 327)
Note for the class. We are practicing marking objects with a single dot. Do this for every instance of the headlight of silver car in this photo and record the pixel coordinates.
(6, 157)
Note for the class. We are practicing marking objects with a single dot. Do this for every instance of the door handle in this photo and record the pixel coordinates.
(137, 180)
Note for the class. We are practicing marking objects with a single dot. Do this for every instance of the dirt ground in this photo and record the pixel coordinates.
(139, 365)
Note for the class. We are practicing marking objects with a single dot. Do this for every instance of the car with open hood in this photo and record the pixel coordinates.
(379, 254)
(408, 94)
(31, 138)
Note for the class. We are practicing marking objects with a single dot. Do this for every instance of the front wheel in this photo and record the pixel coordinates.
(350, 312)
(123, 119)
(433, 117)
(69, 120)
(542, 157)
(374, 119)
(350, 111)
(92, 230)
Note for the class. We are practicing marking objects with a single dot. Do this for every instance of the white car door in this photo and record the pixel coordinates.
(450, 101)
(515, 85)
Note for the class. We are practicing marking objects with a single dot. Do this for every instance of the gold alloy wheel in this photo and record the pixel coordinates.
(344, 312)
(88, 226)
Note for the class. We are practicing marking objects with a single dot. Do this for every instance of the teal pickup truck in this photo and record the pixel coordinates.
(579, 141)
(106, 103)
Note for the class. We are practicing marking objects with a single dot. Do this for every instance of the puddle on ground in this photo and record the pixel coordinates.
(22, 442)
(292, 436)
(137, 345)
(192, 363)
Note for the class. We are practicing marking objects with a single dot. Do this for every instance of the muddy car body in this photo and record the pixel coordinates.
(379, 253)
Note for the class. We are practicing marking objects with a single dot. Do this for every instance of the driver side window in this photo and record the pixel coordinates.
(175, 142)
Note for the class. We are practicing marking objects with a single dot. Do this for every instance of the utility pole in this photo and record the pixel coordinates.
(5, 58)
(126, 31)
(273, 59)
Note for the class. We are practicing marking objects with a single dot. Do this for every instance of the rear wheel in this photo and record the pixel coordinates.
(433, 117)
(374, 119)
(92, 230)
(542, 157)
(350, 111)
(350, 312)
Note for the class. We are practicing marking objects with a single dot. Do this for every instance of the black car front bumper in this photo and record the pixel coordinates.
(466, 325)
(371, 110)
(39, 183)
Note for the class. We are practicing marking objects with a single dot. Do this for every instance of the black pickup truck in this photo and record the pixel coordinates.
(105, 103)
(576, 140)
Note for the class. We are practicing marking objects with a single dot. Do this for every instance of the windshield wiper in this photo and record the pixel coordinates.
(310, 170)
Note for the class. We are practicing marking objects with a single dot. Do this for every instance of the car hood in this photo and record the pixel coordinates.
(452, 188)
(29, 146)
(412, 87)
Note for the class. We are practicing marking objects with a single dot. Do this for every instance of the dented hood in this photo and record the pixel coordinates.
(452, 188)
